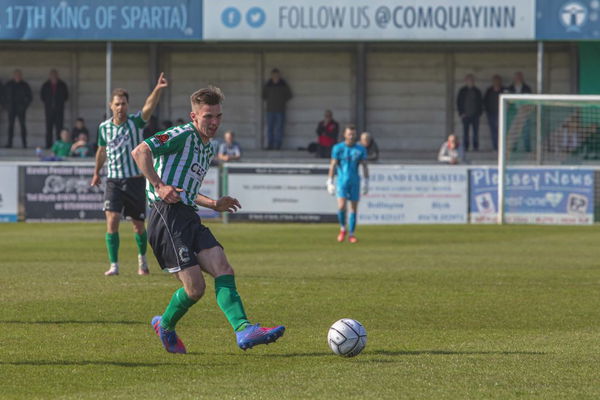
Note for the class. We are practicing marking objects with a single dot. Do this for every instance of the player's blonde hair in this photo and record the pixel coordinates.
(210, 96)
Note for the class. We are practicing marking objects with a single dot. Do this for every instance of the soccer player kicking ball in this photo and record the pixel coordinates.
(346, 156)
(117, 137)
(175, 163)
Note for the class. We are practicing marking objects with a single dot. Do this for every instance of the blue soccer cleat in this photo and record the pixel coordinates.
(169, 339)
(254, 334)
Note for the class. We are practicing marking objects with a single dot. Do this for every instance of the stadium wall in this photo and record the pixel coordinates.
(410, 88)
(398, 194)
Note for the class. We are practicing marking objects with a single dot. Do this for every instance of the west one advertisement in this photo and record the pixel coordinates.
(562, 196)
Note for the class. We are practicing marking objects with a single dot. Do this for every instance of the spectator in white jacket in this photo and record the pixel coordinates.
(451, 151)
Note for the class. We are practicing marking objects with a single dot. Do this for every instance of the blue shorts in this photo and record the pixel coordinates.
(349, 190)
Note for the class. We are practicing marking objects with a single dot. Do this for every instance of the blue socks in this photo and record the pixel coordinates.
(352, 222)
(341, 214)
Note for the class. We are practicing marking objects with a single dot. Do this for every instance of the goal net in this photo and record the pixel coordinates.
(548, 153)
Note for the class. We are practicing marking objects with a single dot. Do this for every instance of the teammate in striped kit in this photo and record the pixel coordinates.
(117, 137)
(175, 163)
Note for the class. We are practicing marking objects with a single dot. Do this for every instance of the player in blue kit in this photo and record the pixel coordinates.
(346, 156)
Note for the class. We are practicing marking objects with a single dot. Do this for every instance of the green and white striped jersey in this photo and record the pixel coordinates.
(181, 160)
(120, 140)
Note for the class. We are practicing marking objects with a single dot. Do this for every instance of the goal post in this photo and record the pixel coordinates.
(541, 130)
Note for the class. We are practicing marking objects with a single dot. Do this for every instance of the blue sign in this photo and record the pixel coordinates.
(106, 20)
(568, 19)
(541, 195)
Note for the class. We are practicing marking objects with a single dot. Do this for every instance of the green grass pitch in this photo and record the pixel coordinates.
(451, 312)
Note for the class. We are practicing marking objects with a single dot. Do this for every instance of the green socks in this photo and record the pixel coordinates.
(227, 298)
(230, 302)
(179, 305)
(112, 245)
(142, 242)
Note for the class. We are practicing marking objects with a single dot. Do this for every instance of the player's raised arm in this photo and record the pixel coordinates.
(152, 100)
(143, 158)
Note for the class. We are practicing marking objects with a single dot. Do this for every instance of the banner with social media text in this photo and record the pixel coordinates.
(558, 196)
(272, 20)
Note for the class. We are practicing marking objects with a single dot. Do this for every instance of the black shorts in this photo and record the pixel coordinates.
(176, 235)
(126, 196)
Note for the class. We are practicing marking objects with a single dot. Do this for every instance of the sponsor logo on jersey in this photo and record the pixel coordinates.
(162, 138)
(199, 171)
(117, 141)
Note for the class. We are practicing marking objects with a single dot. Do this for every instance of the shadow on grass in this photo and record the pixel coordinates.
(58, 363)
(451, 353)
(66, 322)
(296, 354)
(397, 353)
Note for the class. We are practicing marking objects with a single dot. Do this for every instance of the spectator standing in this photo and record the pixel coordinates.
(451, 152)
(518, 84)
(276, 93)
(62, 147)
(327, 135)
(369, 143)
(469, 105)
(229, 150)
(490, 103)
(54, 94)
(17, 99)
(79, 128)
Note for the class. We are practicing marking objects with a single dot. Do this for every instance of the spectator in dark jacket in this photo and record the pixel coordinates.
(276, 94)
(17, 98)
(469, 104)
(54, 94)
(367, 141)
(518, 85)
(490, 103)
(327, 135)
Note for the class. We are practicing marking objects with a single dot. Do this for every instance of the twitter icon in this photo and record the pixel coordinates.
(256, 17)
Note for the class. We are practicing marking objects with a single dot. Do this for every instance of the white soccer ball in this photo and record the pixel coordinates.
(347, 337)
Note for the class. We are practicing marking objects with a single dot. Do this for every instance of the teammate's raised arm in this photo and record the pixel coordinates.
(143, 158)
(152, 100)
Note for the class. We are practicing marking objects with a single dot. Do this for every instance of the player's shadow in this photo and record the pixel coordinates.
(66, 322)
(452, 353)
(58, 363)
(296, 354)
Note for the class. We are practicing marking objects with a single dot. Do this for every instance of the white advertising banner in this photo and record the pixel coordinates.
(415, 195)
(439, 20)
(281, 192)
(9, 193)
